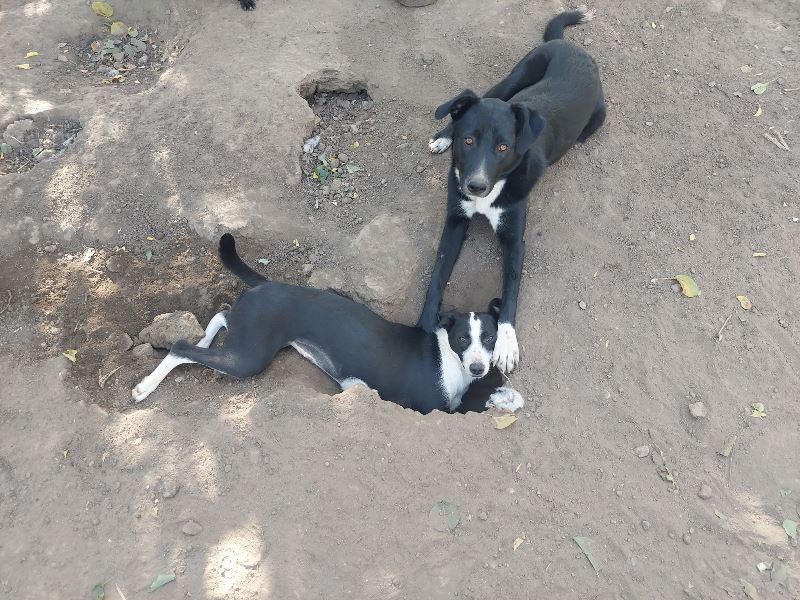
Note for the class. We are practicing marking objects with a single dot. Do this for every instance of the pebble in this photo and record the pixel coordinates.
(307, 268)
(482, 515)
(582, 305)
(698, 410)
(50, 248)
(228, 468)
(676, 287)
(587, 41)
(687, 539)
(171, 488)
(343, 158)
(396, 581)
(787, 49)
(749, 345)
(115, 264)
(192, 527)
(427, 58)
(420, 168)
(704, 492)
(143, 351)
(62, 58)
(333, 162)
(646, 525)
(143, 59)
(336, 185)
(649, 123)
(642, 451)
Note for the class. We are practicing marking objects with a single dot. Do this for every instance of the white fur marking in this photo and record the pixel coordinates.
(316, 356)
(506, 398)
(506, 349)
(476, 204)
(588, 15)
(439, 145)
(454, 380)
(148, 385)
(349, 382)
(475, 352)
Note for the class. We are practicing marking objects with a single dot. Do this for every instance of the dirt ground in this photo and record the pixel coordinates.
(121, 178)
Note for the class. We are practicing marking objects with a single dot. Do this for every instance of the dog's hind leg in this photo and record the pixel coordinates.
(528, 72)
(217, 322)
(595, 121)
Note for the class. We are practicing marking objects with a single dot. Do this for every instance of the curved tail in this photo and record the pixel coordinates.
(229, 258)
(555, 28)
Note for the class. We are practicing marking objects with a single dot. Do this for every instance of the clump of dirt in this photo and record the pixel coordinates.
(127, 56)
(332, 155)
(27, 142)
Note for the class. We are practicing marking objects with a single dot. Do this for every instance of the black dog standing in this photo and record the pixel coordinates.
(502, 144)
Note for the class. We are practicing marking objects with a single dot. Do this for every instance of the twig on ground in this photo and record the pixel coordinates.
(791, 89)
(101, 379)
(775, 141)
(719, 333)
(8, 304)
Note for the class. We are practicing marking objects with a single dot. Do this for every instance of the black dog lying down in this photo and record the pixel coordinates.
(502, 144)
(353, 345)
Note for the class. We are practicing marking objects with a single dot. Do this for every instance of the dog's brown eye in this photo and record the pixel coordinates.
(469, 141)
(502, 148)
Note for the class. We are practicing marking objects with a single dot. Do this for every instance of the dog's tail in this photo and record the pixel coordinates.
(229, 258)
(555, 28)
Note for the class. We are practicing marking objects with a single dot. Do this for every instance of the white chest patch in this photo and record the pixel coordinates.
(475, 204)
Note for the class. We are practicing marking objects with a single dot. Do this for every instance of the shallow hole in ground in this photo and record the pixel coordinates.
(37, 138)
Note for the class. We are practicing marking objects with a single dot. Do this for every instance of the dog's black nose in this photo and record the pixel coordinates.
(477, 186)
(476, 369)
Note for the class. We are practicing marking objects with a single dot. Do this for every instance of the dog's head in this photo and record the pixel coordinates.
(490, 138)
(472, 336)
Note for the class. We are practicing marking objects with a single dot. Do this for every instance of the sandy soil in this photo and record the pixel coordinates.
(275, 488)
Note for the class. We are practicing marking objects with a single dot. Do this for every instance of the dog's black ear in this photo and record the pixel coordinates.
(494, 308)
(446, 319)
(457, 106)
(529, 126)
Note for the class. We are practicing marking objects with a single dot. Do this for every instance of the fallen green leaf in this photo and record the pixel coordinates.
(779, 572)
(99, 592)
(759, 88)
(102, 9)
(351, 168)
(727, 448)
(5, 149)
(503, 421)
(118, 29)
(785, 493)
(790, 527)
(71, 355)
(162, 580)
(758, 410)
(688, 286)
(444, 516)
(321, 173)
(749, 589)
(584, 544)
(133, 32)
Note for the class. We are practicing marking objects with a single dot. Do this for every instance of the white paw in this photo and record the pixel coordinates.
(506, 350)
(140, 392)
(505, 398)
(439, 145)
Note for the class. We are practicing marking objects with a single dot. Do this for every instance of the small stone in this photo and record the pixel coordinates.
(396, 582)
(192, 527)
(228, 468)
(749, 345)
(704, 493)
(698, 410)
(333, 162)
(50, 248)
(143, 351)
(420, 168)
(171, 488)
(307, 268)
(62, 58)
(115, 264)
(582, 305)
(118, 341)
(642, 451)
(587, 41)
(427, 58)
(649, 123)
(482, 515)
(143, 59)
(676, 287)
(787, 49)
(712, 84)
(687, 539)
(645, 525)
(168, 328)
(343, 158)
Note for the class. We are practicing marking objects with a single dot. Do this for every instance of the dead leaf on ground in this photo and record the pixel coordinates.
(759, 88)
(779, 572)
(24, 66)
(503, 421)
(749, 589)
(118, 29)
(518, 542)
(746, 68)
(584, 544)
(99, 592)
(759, 254)
(31, 54)
(689, 286)
(102, 9)
(758, 410)
(745, 302)
(162, 580)
(71, 355)
(759, 111)
(790, 527)
(727, 448)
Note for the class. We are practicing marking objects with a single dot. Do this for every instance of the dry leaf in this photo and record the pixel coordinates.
(162, 580)
(749, 589)
(98, 592)
(118, 29)
(31, 54)
(518, 542)
(584, 545)
(692, 237)
(759, 88)
(71, 355)
(727, 448)
(746, 68)
(758, 112)
(758, 410)
(745, 302)
(102, 9)
(759, 254)
(503, 421)
(790, 527)
(688, 286)
(24, 66)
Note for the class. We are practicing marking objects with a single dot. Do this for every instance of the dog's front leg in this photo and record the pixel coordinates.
(506, 348)
(453, 235)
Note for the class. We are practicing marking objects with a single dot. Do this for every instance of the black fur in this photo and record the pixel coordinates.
(551, 100)
(248, 4)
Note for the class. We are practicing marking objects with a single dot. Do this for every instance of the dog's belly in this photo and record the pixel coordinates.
(317, 357)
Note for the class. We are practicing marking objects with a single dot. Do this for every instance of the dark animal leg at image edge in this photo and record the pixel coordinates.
(453, 235)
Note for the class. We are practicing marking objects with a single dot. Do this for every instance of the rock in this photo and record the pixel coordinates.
(416, 3)
(15, 133)
(343, 158)
(62, 58)
(645, 525)
(427, 58)
(143, 351)
(587, 41)
(698, 410)
(307, 268)
(171, 488)
(676, 287)
(687, 539)
(115, 264)
(143, 59)
(50, 248)
(388, 269)
(704, 493)
(420, 168)
(192, 527)
(118, 341)
(642, 451)
(168, 328)
(333, 162)
(787, 49)
(582, 305)
(482, 515)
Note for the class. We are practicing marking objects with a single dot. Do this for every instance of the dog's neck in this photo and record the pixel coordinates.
(453, 378)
